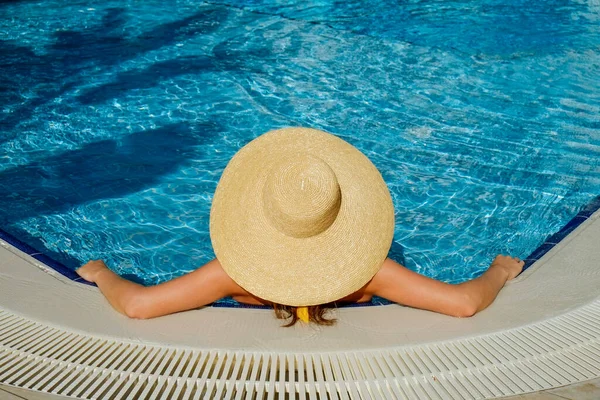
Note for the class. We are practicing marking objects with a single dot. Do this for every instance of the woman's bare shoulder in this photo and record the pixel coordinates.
(375, 285)
(397, 283)
(230, 288)
(388, 269)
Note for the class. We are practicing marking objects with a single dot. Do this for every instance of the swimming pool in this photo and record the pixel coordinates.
(118, 119)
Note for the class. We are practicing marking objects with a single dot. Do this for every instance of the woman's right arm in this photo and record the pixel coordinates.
(195, 289)
(401, 285)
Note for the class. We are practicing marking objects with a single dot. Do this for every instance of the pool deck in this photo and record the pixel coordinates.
(562, 287)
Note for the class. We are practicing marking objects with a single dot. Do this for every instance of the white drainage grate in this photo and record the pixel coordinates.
(548, 354)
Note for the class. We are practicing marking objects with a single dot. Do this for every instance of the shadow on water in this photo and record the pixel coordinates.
(99, 170)
(34, 81)
(2, 2)
(76, 55)
(105, 44)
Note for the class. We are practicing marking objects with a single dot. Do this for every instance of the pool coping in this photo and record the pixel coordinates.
(435, 356)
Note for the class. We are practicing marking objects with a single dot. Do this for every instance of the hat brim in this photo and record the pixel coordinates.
(301, 271)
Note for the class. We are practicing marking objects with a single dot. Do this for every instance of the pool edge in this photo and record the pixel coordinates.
(548, 244)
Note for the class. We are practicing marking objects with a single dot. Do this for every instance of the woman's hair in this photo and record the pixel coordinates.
(316, 314)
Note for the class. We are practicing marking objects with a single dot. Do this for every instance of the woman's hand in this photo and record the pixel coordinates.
(195, 289)
(91, 270)
(512, 266)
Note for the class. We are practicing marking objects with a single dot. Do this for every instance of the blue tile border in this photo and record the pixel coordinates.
(555, 238)
(538, 253)
(43, 258)
(590, 208)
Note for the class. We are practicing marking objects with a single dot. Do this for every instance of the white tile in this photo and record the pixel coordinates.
(535, 396)
(589, 390)
(4, 395)
(12, 393)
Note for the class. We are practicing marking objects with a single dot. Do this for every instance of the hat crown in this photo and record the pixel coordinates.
(302, 196)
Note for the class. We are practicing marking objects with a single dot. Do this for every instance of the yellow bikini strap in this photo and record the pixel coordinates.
(302, 314)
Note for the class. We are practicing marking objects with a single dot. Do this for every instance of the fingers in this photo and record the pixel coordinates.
(89, 270)
(517, 259)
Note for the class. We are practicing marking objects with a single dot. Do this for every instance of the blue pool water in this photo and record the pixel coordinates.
(118, 117)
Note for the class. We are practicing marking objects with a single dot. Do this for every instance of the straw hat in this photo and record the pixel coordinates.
(300, 217)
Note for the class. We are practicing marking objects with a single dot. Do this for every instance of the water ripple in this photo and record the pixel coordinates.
(118, 120)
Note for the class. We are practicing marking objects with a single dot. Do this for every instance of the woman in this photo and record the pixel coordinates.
(301, 220)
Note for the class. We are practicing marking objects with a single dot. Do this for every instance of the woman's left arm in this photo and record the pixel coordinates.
(401, 285)
(195, 289)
